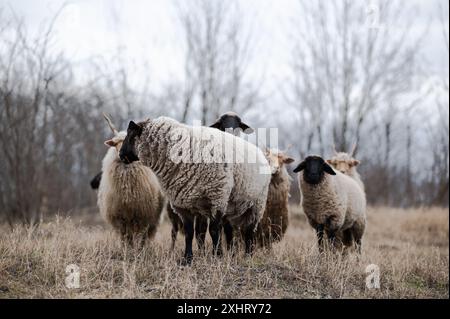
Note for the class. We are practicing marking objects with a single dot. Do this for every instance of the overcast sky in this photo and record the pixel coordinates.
(148, 33)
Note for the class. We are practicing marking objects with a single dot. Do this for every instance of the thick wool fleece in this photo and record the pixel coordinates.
(237, 190)
(353, 173)
(337, 202)
(275, 220)
(129, 197)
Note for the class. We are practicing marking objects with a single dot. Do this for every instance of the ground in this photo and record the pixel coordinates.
(410, 248)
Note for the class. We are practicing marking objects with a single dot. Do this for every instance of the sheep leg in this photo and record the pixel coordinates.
(358, 245)
(174, 234)
(201, 225)
(347, 239)
(358, 231)
(215, 230)
(319, 233)
(249, 237)
(228, 230)
(331, 234)
(188, 224)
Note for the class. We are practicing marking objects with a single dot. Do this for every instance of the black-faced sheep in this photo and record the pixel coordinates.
(334, 203)
(274, 223)
(198, 176)
(129, 196)
(231, 123)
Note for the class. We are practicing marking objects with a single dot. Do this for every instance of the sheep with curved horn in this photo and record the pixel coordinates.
(346, 164)
(129, 197)
(110, 124)
(95, 181)
(352, 152)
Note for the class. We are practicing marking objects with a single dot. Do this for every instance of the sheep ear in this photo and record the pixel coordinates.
(300, 167)
(133, 127)
(216, 125)
(327, 168)
(246, 129)
(110, 143)
(288, 160)
(355, 163)
(95, 182)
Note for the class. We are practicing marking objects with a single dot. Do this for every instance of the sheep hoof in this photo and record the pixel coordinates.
(185, 261)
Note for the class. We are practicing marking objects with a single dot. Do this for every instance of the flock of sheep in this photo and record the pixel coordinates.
(150, 168)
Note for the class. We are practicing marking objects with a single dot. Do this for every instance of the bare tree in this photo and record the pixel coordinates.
(50, 125)
(216, 60)
(349, 59)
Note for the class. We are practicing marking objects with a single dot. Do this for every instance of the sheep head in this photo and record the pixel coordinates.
(277, 160)
(344, 162)
(314, 169)
(231, 120)
(128, 152)
(116, 141)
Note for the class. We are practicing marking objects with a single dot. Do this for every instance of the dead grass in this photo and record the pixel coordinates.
(411, 248)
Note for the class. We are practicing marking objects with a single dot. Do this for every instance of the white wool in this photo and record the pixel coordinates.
(129, 196)
(338, 202)
(197, 174)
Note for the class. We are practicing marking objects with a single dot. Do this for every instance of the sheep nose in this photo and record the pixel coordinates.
(123, 157)
(342, 171)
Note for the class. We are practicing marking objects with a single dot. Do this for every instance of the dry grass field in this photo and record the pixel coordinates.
(410, 247)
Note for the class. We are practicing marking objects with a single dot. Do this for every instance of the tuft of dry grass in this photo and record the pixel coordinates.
(410, 247)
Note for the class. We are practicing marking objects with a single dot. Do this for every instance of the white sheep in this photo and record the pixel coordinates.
(129, 196)
(231, 123)
(203, 171)
(275, 220)
(334, 203)
(346, 164)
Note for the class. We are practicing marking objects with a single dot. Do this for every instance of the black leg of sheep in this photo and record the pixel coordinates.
(228, 230)
(174, 234)
(331, 234)
(201, 226)
(215, 230)
(249, 237)
(188, 224)
(319, 233)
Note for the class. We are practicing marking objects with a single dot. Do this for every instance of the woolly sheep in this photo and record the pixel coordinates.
(199, 177)
(129, 196)
(231, 123)
(333, 202)
(346, 164)
(274, 223)
(228, 122)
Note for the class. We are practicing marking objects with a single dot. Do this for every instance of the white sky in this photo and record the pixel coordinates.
(147, 32)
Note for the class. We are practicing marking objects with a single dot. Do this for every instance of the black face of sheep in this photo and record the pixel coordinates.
(128, 151)
(314, 168)
(231, 120)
